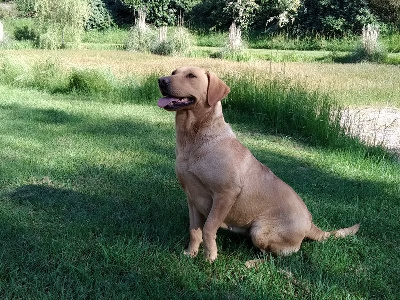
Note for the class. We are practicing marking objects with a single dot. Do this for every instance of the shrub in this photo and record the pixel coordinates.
(25, 6)
(164, 47)
(182, 40)
(49, 39)
(24, 33)
(141, 38)
(179, 41)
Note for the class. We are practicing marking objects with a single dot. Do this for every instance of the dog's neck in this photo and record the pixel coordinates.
(195, 124)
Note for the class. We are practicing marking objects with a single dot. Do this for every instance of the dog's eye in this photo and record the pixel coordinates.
(190, 75)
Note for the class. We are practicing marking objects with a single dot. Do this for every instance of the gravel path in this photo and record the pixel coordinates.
(375, 126)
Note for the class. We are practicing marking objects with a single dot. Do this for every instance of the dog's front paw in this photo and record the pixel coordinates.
(210, 255)
(191, 253)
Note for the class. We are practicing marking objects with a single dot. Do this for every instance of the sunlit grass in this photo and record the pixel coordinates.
(350, 84)
(90, 208)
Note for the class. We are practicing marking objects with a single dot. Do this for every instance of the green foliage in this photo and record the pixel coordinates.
(146, 39)
(333, 17)
(141, 39)
(60, 20)
(91, 81)
(25, 32)
(13, 73)
(26, 7)
(99, 18)
(387, 10)
(361, 54)
(242, 12)
(48, 75)
(209, 15)
(162, 13)
(181, 40)
(233, 55)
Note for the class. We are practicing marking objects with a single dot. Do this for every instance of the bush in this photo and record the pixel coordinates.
(179, 41)
(25, 33)
(25, 6)
(49, 39)
(165, 47)
(141, 38)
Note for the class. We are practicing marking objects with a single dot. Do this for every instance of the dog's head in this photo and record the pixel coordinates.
(190, 87)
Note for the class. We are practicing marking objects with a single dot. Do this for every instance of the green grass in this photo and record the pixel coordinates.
(279, 104)
(90, 208)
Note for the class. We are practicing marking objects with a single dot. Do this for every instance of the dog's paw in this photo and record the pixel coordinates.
(190, 253)
(210, 256)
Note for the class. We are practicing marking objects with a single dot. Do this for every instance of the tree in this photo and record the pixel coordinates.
(334, 17)
(60, 19)
(100, 17)
(387, 10)
(162, 12)
(276, 14)
(242, 12)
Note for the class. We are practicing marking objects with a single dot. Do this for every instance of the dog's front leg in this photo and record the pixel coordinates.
(196, 228)
(222, 204)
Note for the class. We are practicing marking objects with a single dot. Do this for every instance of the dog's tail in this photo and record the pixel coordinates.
(317, 234)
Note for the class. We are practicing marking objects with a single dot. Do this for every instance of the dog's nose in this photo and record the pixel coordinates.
(163, 81)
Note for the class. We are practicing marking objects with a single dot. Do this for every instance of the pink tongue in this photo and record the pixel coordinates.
(162, 102)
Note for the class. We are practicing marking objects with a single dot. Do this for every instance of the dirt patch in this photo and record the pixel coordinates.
(374, 126)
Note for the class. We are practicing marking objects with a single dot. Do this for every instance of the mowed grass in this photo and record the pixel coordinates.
(90, 208)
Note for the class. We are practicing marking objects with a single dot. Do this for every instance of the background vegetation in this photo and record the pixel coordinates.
(89, 203)
(90, 207)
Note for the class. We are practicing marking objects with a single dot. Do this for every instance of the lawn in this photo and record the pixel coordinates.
(90, 206)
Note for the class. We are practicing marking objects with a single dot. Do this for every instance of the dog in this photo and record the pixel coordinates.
(225, 185)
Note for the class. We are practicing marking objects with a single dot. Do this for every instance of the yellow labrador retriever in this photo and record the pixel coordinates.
(226, 186)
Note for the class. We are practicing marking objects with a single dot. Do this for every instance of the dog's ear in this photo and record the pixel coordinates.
(217, 89)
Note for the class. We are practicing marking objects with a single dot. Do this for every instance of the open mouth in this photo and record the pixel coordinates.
(174, 103)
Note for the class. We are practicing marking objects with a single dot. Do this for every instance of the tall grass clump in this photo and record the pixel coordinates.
(48, 75)
(91, 82)
(141, 39)
(235, 47)
(370, 49)
(287, 108)
(45, 75)
(175, 41)
(13, 73)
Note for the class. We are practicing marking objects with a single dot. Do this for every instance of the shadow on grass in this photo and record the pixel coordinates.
(70, 232)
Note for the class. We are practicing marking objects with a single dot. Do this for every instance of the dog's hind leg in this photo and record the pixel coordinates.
(271, 239)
